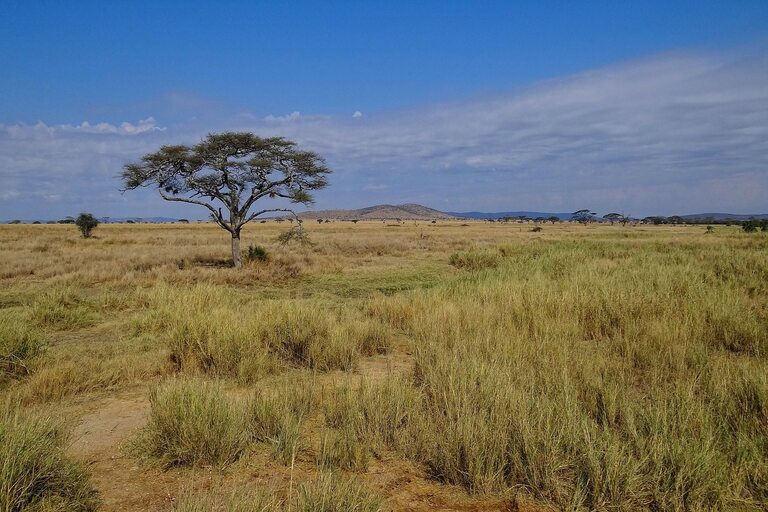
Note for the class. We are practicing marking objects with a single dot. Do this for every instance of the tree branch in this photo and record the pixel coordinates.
(215, 214)
(267, 210)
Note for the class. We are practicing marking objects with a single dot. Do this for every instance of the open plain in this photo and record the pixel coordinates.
(396, 365)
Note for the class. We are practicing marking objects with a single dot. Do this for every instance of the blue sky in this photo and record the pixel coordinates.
(646, 107)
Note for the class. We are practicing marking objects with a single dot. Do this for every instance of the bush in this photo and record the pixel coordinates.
(192, 422)
(19, 342)
(35, 472)
(753, 225)
(256, 253)
(86, 223)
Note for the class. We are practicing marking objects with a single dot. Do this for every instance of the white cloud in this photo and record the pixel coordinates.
(293, 116)
(673, 133)
(357, 114)
(40, 128)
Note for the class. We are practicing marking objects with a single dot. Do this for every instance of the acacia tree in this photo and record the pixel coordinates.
(86, 223)
(616, 217)
(227, 173)
(583, 216)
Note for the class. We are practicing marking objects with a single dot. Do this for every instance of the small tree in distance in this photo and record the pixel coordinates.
(616, 217)
(232, 170)
(583, 216)
(86, 223)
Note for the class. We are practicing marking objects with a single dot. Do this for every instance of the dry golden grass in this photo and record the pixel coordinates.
(588, 368)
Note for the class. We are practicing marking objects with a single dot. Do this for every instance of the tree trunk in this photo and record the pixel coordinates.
(236, 256)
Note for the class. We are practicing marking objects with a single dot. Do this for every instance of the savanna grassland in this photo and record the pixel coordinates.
(410, 366)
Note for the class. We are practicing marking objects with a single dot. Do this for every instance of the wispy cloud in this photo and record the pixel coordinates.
(20, 131)
(673, 133)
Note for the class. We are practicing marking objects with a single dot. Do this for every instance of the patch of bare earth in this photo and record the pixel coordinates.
(126, 484)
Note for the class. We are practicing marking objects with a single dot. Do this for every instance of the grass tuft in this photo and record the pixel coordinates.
(35, 472)
(192, 422)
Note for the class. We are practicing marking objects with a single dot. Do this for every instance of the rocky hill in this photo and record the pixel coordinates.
(380, 212)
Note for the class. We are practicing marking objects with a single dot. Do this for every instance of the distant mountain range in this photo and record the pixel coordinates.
(418, 212)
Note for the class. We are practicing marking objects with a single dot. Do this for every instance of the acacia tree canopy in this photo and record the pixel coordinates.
(227, 173)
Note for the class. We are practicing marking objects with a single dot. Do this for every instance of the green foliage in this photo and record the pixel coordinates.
(294, 234)
(256, 253)
(86, 223)
(752, 225)
(270, 167)
(583, 216)
(35, 471)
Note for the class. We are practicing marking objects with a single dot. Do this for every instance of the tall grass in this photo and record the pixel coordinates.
(277, 416)
(244, 501)
(19, 343)
(596, 376)
(330, 492)
(35, 471)
(192, 422)
(215, 331)
(63, 308)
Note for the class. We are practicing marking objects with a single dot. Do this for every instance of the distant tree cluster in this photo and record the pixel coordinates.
(752, 225)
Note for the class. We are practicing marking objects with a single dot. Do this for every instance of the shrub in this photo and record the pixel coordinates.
(35, 472)
(192, 422)
(256, 253)
(19, 342)
(86, 223)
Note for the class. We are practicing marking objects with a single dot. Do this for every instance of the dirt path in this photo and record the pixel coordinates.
(125, 484)
(100, 433)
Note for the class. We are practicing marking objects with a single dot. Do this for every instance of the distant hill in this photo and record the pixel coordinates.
(499, 215)
(152, 220)
(724, 216)
(380, 212)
